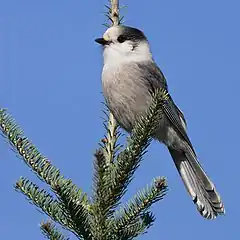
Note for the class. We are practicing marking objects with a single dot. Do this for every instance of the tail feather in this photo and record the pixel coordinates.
(198, 184)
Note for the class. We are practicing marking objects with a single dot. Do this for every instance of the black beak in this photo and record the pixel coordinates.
(102, 41)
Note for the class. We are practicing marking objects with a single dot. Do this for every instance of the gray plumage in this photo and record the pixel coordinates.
(128, 78)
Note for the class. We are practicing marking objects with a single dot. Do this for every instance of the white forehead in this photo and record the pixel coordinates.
(112, 33)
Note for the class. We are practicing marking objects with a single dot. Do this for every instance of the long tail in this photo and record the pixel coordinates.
(199, 186)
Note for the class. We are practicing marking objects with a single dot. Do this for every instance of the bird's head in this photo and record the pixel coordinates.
(123, 44)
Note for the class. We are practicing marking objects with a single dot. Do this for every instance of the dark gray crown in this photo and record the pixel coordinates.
(132, 34)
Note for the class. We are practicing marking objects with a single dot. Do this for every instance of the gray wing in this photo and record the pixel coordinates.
(172, 112)
(156, 79)
(153, 75)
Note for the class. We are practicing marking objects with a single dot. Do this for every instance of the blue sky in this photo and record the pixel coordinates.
(50, 71)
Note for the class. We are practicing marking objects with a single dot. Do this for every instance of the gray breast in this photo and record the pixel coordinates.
(127, 92)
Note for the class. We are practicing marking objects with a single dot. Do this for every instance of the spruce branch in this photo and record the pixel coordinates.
(129, 159)
(112, 130)
(99, 183)
(98, 178)
(47, 173)
(100, 207)
(137, 228)
(135, 212)
(76, 205)
(51, 232)
(105, 157)
(43, 200)
(26, 150)
(110, 145)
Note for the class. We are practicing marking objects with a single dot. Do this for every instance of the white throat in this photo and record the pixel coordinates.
(115, 54)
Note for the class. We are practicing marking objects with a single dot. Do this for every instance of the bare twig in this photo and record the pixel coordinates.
(115, 12)
(112, 124)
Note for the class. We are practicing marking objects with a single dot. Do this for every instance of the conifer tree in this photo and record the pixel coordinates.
(101, 216)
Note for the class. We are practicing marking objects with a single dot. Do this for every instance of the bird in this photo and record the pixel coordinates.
(129, 75)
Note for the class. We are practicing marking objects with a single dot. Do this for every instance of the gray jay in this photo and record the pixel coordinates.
(128, 77)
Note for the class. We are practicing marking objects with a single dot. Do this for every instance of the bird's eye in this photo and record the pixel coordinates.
(121, 39)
